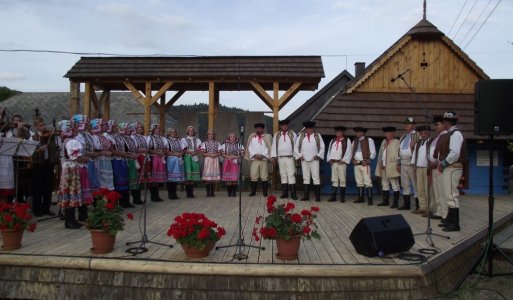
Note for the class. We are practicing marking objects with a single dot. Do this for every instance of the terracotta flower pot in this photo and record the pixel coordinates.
(103, 242)
(11, 239)
(196, 253)
(288, 249)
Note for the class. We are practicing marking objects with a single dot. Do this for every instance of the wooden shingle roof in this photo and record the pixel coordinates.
(191, 73)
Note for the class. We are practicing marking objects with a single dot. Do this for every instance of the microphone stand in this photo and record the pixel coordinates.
(429, 118)
(144, 236)
(239, 255)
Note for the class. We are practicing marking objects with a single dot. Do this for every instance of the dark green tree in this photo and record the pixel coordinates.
(6, 92)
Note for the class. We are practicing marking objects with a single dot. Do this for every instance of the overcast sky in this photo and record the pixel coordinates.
(342, 32)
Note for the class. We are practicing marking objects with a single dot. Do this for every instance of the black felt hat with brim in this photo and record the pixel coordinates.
(340, 128)
(360, 129)
(389, 129)
(259, 125)
(309, 124)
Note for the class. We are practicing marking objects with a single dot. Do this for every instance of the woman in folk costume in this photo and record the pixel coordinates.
(144, 170)
(191, 160)
(157, 147)
(131, 159)
(175, 171)
(106, 175)
(90, 146)
(232, 152)
(211, 171)
(119, 164)
(74, 182)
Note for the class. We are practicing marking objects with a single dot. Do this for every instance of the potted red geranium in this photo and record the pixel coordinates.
(104, 220)
(287, 227)
(195, 233)
(14, 219)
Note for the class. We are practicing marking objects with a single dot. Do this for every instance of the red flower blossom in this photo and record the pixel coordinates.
(32, 227)
(110, 205)
(195, 230)
(306, 213)
(315, 208)
(289, 206)
(296, 218)
(306, 230)
(113, 196)
(130, 216)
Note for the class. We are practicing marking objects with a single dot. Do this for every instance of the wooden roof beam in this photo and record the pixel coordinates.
(260, 91)
(162, 91)
(289, 94)
(135, 92)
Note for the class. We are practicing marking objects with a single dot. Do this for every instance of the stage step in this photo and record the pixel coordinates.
(504, 239)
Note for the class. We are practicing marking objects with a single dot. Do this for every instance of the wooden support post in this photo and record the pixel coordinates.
(87, 98)
(211, 105)
(276, 105)
(74, 99)
(147, 108)
(105, 100)
(96, 105)
(162, 113)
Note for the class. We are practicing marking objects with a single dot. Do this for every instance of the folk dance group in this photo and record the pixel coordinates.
(418, 164)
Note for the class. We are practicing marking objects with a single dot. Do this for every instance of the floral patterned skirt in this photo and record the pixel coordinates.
(230, 170)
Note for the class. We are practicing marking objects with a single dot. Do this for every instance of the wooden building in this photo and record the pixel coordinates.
(150, 78)
(436, 76)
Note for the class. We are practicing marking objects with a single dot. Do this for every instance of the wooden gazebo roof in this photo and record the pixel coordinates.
(145, 75)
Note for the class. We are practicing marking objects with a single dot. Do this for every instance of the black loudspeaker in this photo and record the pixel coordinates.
(493, 107)
(378, 236)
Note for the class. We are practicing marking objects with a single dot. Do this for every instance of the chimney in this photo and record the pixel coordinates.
(359, 67)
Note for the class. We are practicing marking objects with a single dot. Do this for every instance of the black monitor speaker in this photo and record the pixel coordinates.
(493, 107)
(378, 236)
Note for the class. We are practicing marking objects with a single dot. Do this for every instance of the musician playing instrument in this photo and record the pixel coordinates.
(45, 158)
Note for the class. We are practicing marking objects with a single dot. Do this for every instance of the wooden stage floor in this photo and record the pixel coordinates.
(332, 255)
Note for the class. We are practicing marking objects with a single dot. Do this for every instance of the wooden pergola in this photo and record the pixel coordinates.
(150, 78)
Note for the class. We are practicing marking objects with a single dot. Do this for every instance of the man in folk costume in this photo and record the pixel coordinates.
(156, 147)
(144, 170)
(388, 167)
(174, 163)
(119, 164)
(191, 160)
(364, 150)
(259, 150)
(309, 149)
(452, 155)
(45, 158)
(440, 209)
(419, 160)
(340, 150)
(131, 155)
(74, 188)
(282, 154)
(232, 153)
(407, 142)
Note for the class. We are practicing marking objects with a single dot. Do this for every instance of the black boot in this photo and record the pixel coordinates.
(317, 192)
(443, 222)
(175, 188)
(190, 190)
(453, 222)
(360, 196)
(395, 203)
(406, 203)
(306, 197)
(264, 188)
(169, 190)
(126, 199)
(386, 197)
(285, 191)
(212, 189)
(82, 214)
(333, 196)
(293, 195)
(229, 190)
(342, 194)
(207, 187)
(136, 195)
(70, 221)
(154, 194)
(416, 203)
(369, 196)
(253, 188)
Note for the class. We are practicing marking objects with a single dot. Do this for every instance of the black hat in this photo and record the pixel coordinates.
(409, 120)
(340, 128)
(361, 129)
(450, 116)
(309, 124)
(389, 129)
(438, 118)
(423, 128)
(259, 125)
(283, 122)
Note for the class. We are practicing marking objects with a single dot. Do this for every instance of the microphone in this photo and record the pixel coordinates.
(399, 76)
